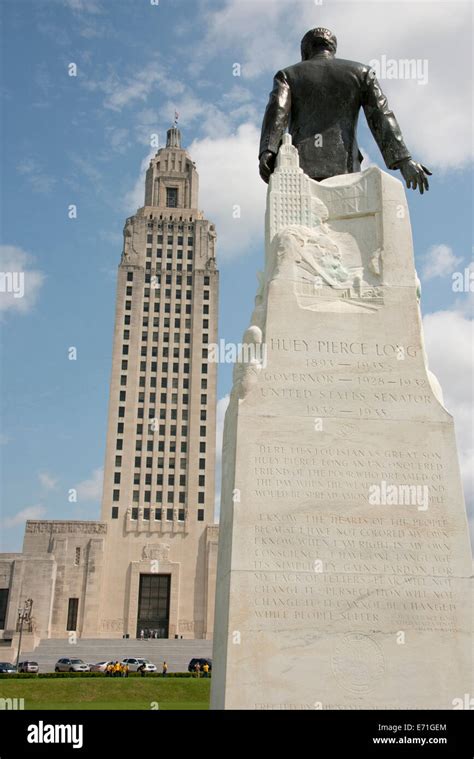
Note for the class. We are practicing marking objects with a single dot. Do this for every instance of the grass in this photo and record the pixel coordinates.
(109, 693)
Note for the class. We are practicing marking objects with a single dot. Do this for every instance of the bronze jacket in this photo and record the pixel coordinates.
(319, 101)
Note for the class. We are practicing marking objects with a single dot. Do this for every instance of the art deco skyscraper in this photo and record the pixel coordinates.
(158, 499)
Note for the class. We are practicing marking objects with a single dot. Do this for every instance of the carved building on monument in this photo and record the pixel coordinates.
(149, 565)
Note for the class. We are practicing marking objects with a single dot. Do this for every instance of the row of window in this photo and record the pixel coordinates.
(171, 462)
(158, 514)
(170, 227)
(170, 239)
(175, 368)
(159, 478)
(145, 322)
(202, 449)
(167, 294)
(171, 496)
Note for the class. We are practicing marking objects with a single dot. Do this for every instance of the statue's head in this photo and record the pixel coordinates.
(316, 40)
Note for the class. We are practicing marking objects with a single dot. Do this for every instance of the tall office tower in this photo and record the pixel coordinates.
(158, 500)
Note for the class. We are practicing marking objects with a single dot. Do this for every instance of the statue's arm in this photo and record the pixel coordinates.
(388, 136)
(275, 121)
(382, 122)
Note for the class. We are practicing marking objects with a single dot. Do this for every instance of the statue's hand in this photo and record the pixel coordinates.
(414, 174)
(267, 164)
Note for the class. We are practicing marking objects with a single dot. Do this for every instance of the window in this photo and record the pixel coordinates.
(4, 592)
(181, 515)
(200, 515)
(146, 514)
(134, 513)
(72, 611)
(158, 515)
(114, 512)
(77, 556)
(169, 515)
(172, 197)
(116, 495)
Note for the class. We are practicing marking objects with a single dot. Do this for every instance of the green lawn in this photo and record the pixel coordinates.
(109, 693)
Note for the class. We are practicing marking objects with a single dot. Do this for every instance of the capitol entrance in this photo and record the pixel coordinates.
(153, 606)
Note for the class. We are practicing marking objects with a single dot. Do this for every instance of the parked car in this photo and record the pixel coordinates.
(71, 665)
(193, 663)
(28, 666)
(134, 663)
(100, 666)
(6, 668)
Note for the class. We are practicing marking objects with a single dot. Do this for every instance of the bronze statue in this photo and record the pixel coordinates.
(319, 99)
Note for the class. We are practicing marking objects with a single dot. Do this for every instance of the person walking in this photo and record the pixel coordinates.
(142, 669)
(197, 669)
(124, 670)
(164, 671)
(205, 669)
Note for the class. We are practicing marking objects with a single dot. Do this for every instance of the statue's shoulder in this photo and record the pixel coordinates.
(341, 64)
(355, 66)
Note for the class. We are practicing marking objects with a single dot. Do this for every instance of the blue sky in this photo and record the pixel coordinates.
(85, 140)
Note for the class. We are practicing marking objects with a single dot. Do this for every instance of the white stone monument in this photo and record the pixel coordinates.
(344, 556)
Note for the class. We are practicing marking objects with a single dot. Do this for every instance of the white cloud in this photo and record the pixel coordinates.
(135, 198)
(91, 489)
(84, 6)
(435, 117)
(230, 163)
(31, 512)
(439, 261)
(449, 340)
(19, 284)
(48, 482)
(222, 404)
(123, 88)
(35, 175)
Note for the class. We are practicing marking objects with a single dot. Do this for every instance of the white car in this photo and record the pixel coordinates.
(101, 666)
(134, 663)
(71, 665)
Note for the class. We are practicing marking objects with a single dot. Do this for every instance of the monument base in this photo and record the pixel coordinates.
(344, 557)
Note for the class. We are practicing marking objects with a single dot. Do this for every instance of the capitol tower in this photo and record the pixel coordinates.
(158, 497)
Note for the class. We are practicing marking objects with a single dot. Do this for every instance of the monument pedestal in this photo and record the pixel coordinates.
(344, 557)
